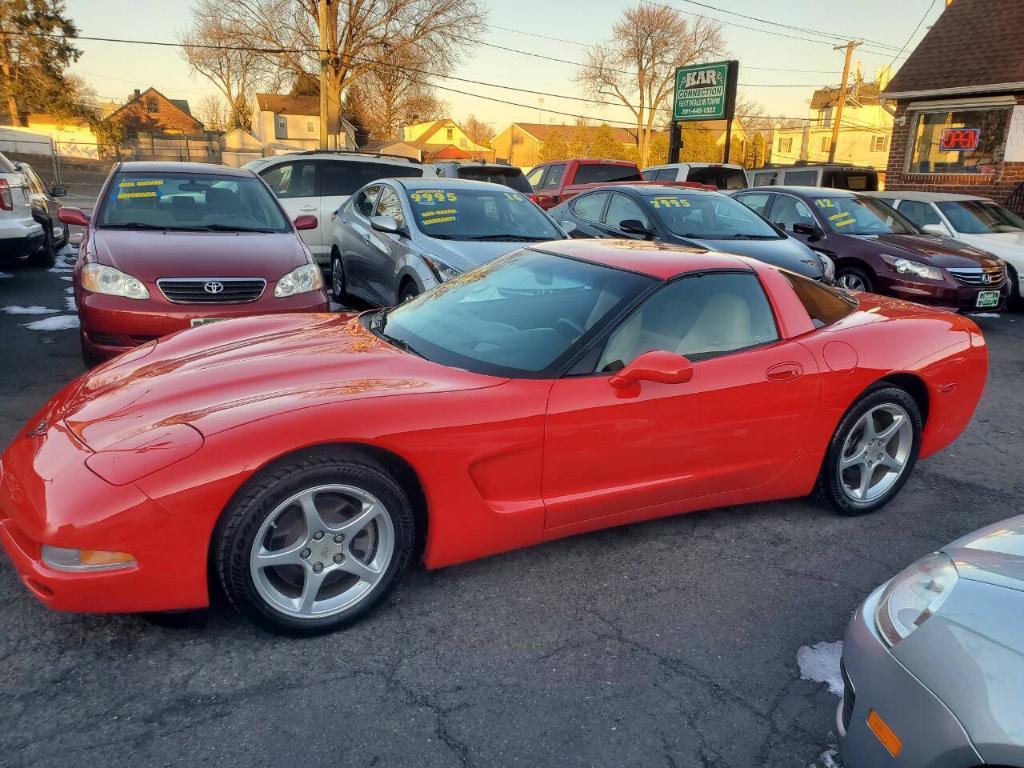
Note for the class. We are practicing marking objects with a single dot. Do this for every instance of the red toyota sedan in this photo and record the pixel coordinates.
(301, 462)
(174, 245)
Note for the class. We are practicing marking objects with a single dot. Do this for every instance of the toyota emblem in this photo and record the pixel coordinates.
(213, 287)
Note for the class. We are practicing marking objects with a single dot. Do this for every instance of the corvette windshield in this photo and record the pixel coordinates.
(520, 315)
(862, 216)
(190, 202)
(709, 217)
(479, 214)
(974, 217)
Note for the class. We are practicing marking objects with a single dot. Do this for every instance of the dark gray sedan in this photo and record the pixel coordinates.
(396, 238)
(933, 661)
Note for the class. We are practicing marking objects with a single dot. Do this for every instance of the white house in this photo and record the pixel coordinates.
(285, 124)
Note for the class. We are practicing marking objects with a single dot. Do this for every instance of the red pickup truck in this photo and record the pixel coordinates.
(557, 181)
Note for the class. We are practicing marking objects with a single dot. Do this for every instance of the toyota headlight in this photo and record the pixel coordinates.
(302, 280)
(441, 271)
(914, 596)
(98, 278)
(908, 267)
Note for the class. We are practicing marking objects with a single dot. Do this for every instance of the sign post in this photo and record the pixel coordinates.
(705, 92)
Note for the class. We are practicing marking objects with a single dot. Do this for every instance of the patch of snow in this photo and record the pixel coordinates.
(57, 323)
(984, 314)
(828, 759)
(5, 275)
(68, 250)
(59, 270)
(69, 302)
(34, 310)
(66, 277)
(819, 663)
(70, 289)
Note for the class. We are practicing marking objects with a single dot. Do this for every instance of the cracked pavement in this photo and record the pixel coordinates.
(671, 643)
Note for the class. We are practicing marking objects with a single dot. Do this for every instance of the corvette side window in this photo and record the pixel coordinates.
(697, 317)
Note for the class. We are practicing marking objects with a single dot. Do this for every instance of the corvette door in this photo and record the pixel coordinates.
(737, 424)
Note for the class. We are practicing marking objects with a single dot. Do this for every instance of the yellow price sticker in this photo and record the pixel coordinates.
(134, 195)
(670, 202)
(434, 196)
(845, 222)
(824, 202)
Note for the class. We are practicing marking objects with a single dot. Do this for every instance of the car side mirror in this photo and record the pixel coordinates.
(56, 191)
(635, 227)
(306, 222)
(807, 230)
(74, 216)
(386, 224)
(936, 229)
(657, 365)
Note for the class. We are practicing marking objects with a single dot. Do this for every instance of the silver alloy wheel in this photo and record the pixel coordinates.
(876, 452)
(322, 550)
(337, 278)
(852, 281)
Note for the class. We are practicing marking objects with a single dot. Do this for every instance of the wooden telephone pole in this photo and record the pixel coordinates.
(324, 16)
(850, 46)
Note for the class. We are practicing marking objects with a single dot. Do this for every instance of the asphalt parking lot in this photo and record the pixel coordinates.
(672, 643)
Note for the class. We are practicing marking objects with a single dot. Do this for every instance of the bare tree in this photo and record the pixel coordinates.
(363, 34)
(216, 113)
(214, 46)
(637, 66)
(478, 131)
(386, 96)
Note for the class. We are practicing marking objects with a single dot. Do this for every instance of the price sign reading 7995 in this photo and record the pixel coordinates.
(959, 139)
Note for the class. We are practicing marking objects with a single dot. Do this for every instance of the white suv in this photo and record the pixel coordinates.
(719, 175)
(319, 183)
(20, 234)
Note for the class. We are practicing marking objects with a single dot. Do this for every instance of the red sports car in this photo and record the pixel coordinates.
(173, 245)
(301, 461)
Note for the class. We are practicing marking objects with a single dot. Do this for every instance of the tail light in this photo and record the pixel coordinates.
(6, 199)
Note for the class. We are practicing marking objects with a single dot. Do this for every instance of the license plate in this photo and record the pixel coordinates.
(987, 299)
(197, 321)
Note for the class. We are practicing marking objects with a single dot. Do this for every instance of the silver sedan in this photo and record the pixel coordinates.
(933, 661)
(396, 238)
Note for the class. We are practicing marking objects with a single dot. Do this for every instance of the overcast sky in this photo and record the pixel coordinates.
(115, 69)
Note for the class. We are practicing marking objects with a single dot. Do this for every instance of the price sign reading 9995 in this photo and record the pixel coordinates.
(959, 139)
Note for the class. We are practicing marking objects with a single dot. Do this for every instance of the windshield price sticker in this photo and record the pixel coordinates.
(134, 195)
(441, 216)
(670, 202)
(824, 202)
(844, 222)
(429, 196)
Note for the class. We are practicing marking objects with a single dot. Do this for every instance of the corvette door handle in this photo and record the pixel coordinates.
(785, 372)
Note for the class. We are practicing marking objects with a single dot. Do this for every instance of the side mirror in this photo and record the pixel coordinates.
(635, 227)
(74, 216)
(306, 222)
(936, 229)
(657, 365)
(807, 230)
(56, 191)
(568, 226)
(385, 224)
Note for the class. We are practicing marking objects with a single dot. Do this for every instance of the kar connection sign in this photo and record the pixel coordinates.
(705, 91)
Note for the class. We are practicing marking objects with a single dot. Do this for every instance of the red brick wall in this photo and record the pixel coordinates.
(137, 118)
(998, 186)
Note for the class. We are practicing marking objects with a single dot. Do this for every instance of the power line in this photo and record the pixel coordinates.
(925, 16)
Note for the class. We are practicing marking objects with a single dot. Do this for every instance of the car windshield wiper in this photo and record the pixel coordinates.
(510, 238)
(746, 237)
(230, 228)
(377, 325)
(131, 225)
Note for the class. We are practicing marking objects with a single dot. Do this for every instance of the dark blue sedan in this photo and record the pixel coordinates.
(691, 217)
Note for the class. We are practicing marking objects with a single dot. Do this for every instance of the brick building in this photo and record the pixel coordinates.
(959, 122)
(150, 111)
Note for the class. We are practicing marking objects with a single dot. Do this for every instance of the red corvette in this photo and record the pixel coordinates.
(300, 461)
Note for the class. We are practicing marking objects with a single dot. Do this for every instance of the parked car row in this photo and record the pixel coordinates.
(22, 234)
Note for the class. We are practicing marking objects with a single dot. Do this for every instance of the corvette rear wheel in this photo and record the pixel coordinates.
(314, 542)
(872, 452)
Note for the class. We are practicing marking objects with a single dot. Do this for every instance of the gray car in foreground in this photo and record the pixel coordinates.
(933, 661)
(396, 238)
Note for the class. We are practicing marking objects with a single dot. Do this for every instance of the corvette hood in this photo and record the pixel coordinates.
(939, 251)
(223, 374)
(150, 255)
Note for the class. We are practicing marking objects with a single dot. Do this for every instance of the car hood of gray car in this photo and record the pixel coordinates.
(785, 252)
(465, 255)
(993, 555)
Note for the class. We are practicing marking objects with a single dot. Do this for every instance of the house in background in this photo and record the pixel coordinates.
(434, 140)
(520, 143)
(151, 112)
(68, 136)
(864, 133)
(285, 124)
(240, 147)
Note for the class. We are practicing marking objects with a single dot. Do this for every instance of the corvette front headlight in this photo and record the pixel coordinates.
(908, 267)
(302, 280)
(98, 278)
(914, 596)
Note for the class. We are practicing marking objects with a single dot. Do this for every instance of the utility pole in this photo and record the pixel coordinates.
(850, 46)
(323, 20)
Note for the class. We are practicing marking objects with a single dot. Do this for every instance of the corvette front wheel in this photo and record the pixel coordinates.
(314, 542)
(872, 452)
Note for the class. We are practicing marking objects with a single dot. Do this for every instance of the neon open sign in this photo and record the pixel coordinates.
(959, 139)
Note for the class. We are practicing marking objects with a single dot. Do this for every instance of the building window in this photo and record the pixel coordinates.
(309, 127)
(928, 156)
(879, 143)
(826, 143)
(450, 133)
(826, 117)
(786, 145)
(152, 105)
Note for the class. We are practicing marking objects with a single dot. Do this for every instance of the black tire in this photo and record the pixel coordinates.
(89, 359)
(1014, 301)
(408, 292)
(859, 274)
(338, 282)
(45, 257)
(829, 489)
(241, 521)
